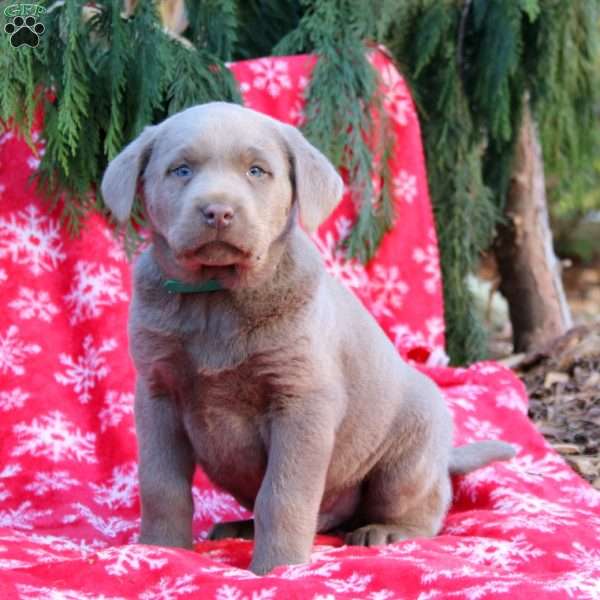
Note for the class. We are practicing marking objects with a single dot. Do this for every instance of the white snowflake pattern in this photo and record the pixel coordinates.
(502, 554)
(405, 186)
(7, 471)
(386, 290)
(122, 559)
(213, 505)
(32, 304)
(353, 583)
(540, 522)
(457, 525)
(380, 595)
(117, 405)
(34, 592)
(3, 275)
(464, 396)
(32, 239)
(169, 588)
(230, 592)
(433, 572)
(33, 162)
(6, 135)
(482, 429)
(304, 570)
(296, 114)
(583, 583)
(511, 399)
(531, 470)
(349, 272)
(474, 483)
(51, 481)
(110, 527)
(116, 250)
(46, 557)
(578, 584)
(488, 368)
(581, 493)
(477, 591)
(83, 372)
(55, 438)
(9, 564)
(511, 501)
(227, 572)
(586, 559)
(270, 75)
(120, 490)
(396, 98)
(22, 517)
(57, 543)
(11, 399)
(94, 287)
(14, 351)
(430, 258)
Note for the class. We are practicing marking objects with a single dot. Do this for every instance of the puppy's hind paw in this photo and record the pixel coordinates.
(377, 535)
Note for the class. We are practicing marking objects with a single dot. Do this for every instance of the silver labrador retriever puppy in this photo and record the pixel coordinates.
(279, 384)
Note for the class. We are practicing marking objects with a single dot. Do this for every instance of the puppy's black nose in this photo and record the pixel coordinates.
(218, 216)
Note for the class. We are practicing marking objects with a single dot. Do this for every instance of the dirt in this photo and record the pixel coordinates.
(563, 378)
(563, 381)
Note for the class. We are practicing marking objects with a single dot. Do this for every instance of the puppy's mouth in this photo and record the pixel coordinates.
(214, 254)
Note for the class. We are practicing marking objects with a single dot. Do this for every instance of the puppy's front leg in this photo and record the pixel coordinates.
(287, 505)
(166, 467)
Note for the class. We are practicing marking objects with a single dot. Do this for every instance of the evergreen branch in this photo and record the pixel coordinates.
(199, 77)
(119, 58)
(73, 102)
(213, 26)
(341, 95)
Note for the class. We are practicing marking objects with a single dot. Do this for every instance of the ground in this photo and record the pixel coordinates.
(563, 379)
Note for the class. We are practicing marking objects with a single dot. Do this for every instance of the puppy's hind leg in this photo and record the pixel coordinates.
(400, 504)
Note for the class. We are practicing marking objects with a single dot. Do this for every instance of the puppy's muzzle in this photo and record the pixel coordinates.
(218, 216)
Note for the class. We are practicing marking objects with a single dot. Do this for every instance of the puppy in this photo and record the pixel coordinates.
(255, 364)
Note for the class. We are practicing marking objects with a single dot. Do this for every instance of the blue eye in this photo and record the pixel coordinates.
(256, 171)
(182, 171)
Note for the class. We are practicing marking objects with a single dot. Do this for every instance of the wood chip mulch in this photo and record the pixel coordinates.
(563, 381)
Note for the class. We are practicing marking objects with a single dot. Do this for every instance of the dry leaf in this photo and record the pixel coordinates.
(555, 377)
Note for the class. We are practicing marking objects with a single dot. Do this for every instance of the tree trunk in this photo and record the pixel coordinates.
(529, 270)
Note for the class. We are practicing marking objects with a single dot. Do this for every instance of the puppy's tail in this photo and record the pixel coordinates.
(469, 457)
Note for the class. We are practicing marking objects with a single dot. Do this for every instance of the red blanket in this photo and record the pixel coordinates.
(69, 506)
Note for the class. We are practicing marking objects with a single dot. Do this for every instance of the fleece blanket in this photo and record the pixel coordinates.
(69, 503)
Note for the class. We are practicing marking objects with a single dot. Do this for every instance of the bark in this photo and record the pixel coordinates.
(529, 270)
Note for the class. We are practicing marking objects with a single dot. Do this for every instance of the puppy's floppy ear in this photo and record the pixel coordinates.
(317, 186)
(120, 179)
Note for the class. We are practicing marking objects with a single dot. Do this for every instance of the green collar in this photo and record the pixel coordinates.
(178, 287)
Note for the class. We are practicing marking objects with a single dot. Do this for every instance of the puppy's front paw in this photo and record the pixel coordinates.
(376, 535)
(233, 529)
(264, 562)
(260, 568)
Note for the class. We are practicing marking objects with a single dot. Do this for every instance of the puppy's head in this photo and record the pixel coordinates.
(221, 185)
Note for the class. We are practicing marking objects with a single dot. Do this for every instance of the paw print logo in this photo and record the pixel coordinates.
(24, 31)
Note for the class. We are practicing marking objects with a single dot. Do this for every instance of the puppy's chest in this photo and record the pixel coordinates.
(228, 397)
(227, 421)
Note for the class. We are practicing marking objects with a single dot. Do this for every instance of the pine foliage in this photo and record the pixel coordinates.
(341, 96)
(471, 66)
(108, 77)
